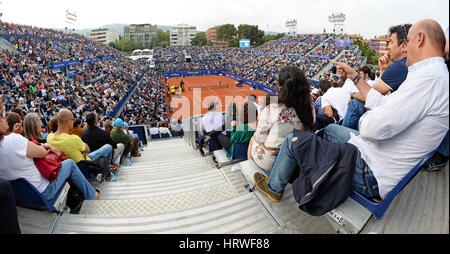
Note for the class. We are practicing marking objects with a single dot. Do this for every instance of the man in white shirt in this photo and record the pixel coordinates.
(164, 130)
(212, 120)
(154, 130)
(211, 125)
(335, 98)
(401, 128)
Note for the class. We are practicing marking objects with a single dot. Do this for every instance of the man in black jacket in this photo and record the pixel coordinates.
(96, 138)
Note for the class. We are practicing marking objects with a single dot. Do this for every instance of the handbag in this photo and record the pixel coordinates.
(50, 165)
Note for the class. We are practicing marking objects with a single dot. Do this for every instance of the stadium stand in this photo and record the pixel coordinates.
(171, 188)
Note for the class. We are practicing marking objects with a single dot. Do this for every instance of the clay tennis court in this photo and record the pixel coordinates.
(205, 90)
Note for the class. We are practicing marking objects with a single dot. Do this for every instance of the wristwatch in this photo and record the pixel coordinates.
(356, 79)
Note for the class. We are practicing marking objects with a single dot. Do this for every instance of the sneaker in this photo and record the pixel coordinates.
(436, 163)
(113, 166)
(262, 184)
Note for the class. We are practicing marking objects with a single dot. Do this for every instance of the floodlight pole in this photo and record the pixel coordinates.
(291, 25)
(338, 20)
(71, 18)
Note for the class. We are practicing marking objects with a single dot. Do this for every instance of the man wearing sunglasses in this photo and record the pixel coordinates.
(393, 72)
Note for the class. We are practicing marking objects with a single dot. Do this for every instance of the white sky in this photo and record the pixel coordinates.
(365, 17)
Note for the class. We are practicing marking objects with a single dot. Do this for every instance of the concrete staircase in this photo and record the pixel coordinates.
(328, 66)
(172, 189)
(6, 45)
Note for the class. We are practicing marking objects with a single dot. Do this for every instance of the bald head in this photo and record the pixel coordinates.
(426, 39)
(433, 31)
(64, 114)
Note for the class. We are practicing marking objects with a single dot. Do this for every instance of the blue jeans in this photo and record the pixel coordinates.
(69, 170)
(443, 147)
(284, 167)
(104, 151)
(354, 112)
(364, 181)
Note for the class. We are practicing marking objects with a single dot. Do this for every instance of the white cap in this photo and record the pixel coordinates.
(315, 91)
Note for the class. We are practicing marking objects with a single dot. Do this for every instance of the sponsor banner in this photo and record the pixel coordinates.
(316, 56)
(88, 60)
(64, 64)
(294, 54)
(344, 43)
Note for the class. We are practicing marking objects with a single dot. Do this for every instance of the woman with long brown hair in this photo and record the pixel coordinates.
(293, 111)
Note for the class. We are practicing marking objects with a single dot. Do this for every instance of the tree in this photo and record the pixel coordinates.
(162, 39)
(126, 46)
(199, 39)
(267, 38)
(251, 32)
(233, 43)
(372, 57)
(226, 32)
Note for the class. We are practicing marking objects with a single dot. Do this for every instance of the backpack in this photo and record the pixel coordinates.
(98, 166)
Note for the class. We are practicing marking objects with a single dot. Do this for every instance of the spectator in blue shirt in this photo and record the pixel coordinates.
(393, 72)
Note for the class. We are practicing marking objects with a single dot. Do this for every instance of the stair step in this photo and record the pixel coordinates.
(238, 215)
(160, 187)
(158, 205)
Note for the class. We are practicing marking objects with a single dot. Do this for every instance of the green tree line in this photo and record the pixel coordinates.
(227, 32)
(372, 57)
(161, 41)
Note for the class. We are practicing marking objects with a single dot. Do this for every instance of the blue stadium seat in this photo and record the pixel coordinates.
(155, 136)
(378, 209)
(165, 135)
(239, 151)
(27, 196)
(176, 134)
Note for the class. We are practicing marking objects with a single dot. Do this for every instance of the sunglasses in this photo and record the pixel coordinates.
(405, 34)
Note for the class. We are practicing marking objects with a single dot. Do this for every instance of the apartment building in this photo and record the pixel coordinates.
(379, 44)
(105, 36)
(211, 35)
(182, 34)
(140, 33)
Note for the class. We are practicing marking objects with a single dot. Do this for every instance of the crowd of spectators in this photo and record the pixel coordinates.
(29, 82)
(260, 64)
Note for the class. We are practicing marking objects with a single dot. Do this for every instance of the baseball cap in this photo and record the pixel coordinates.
(118, 123)
(315, 91)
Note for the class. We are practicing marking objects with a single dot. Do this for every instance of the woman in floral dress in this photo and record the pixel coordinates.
(277, 120)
